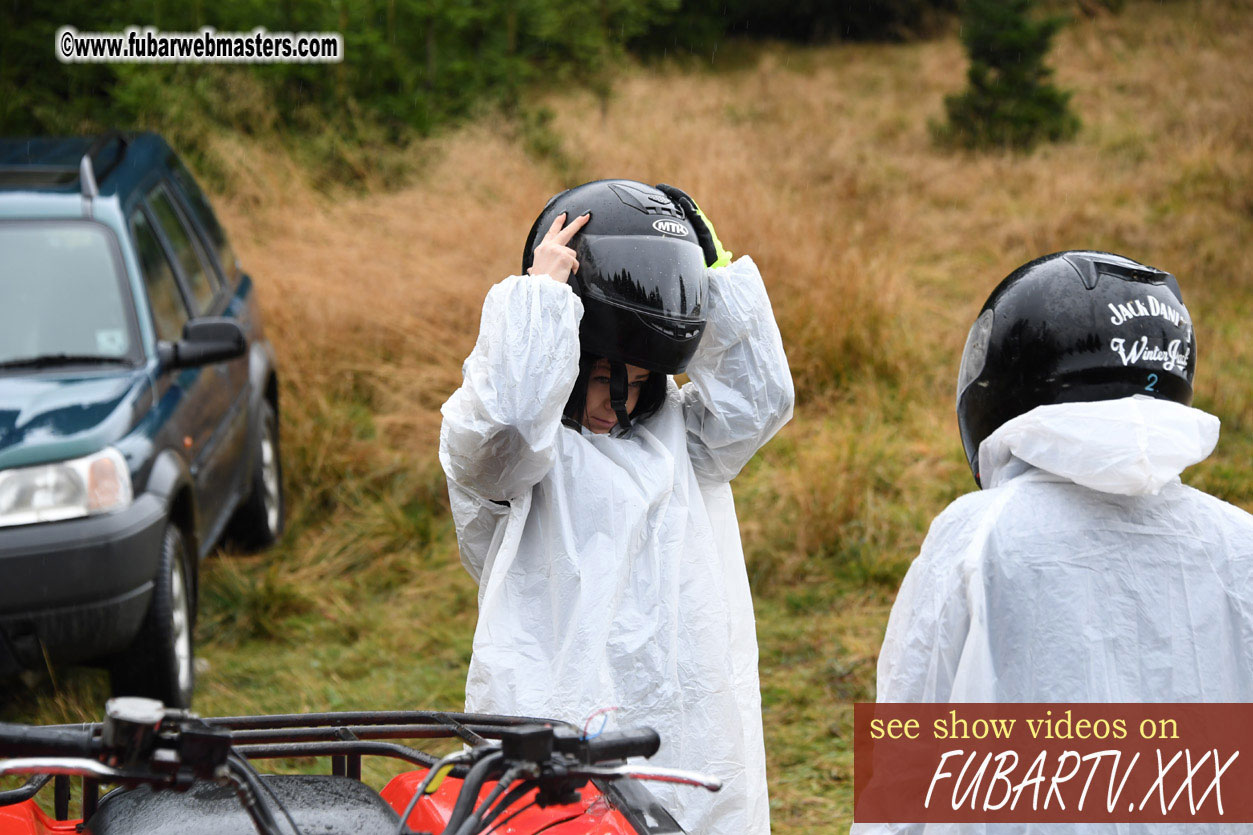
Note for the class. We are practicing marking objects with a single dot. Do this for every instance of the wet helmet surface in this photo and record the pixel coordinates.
(641, 273)
(1073, 326)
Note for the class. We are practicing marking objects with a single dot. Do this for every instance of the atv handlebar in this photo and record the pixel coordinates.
(554, 762)
(141, 742)
(33, 741)
(614, 745)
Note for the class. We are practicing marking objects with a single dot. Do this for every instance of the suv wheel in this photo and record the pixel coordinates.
(258, 523)
(160, 663)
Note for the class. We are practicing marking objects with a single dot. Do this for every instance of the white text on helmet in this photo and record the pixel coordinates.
(670, 227)
(1136, 308)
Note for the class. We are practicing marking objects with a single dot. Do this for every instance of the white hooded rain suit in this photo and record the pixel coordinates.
(609, 566)
(1085, 572)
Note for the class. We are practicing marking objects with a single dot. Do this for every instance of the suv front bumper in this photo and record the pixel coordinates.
(80, 587)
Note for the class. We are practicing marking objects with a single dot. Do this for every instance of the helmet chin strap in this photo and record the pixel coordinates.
(618, 393)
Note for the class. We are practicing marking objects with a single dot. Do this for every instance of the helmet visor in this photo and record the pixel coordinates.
(649, 274)
(975, 354)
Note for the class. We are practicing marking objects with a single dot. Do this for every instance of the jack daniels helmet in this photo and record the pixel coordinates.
(1073, 326)
(642, 259)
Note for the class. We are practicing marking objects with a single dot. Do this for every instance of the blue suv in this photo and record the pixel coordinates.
(138, 408)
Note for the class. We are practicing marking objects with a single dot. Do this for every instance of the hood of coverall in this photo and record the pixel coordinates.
(1133, 446)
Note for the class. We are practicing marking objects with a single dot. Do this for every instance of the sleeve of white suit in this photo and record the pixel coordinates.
(499, 429)
(740, 392)
(930, 620)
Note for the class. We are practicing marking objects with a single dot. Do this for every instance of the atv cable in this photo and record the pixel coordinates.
(25, 791)
(249, 789)
(432, 772)
(277, 800)
(470, 787)
(514, 795)
(474, 822)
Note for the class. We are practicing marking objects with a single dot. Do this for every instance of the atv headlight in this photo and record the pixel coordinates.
(65, 490)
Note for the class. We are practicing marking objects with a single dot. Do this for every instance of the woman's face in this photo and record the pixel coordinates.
(599, 415)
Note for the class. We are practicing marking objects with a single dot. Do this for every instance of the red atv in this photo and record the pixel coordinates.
(177, 773)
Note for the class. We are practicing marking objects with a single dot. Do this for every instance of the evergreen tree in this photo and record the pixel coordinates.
(1010, 101)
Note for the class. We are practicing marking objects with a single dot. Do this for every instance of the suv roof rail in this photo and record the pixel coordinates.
(85, 171)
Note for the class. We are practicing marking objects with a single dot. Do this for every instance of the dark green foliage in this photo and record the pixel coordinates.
(543, 142)
(1010, 101)
(699, 25)
(409, 65)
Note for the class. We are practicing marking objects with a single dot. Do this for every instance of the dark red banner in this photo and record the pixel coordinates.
(1052, 763)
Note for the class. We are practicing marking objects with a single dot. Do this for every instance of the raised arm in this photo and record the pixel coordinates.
(740, 392)
(499, 429)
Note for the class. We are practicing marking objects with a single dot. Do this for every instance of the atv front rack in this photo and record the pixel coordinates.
(173, 765)
(345, 737)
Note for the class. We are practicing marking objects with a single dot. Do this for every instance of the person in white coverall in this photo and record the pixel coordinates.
(606, 549)
(1084, 570)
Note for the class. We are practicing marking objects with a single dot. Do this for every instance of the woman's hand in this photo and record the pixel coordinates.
(552, 255)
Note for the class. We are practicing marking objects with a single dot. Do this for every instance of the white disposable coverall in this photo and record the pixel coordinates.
(609, 566)
(1085, 572)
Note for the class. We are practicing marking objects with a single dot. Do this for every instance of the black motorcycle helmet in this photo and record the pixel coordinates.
(641, 278)
(1073, 326)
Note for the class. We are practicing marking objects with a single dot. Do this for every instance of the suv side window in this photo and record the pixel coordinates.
(186, 252)
(199, 205)
(169, 311)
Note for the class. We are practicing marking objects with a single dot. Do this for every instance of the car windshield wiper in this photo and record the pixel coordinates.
(48, 360)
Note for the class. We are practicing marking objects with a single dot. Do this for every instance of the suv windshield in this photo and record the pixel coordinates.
(64, 299)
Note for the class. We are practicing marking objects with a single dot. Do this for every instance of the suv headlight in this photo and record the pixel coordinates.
(65, 490)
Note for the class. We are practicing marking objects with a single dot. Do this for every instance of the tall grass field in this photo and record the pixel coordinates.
(878, 250)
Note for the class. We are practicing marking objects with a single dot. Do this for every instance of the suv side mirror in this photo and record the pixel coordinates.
(206, 340)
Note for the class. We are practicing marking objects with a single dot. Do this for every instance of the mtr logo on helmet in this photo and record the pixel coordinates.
(670, 227)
